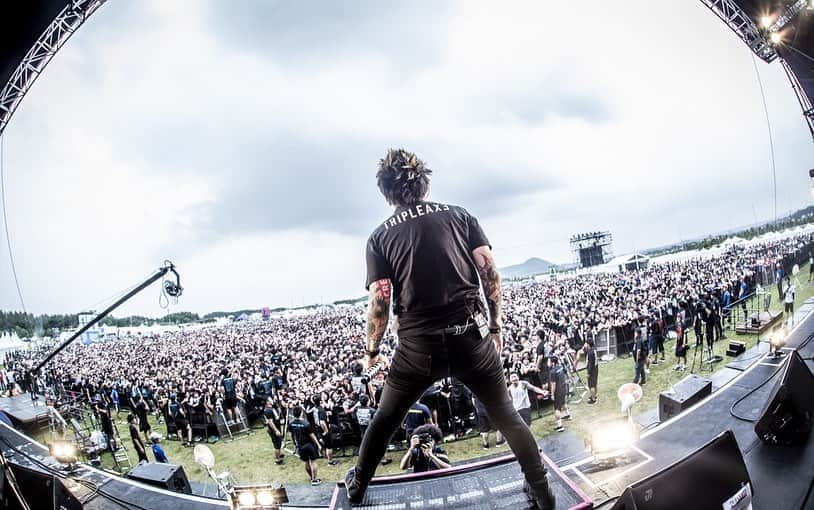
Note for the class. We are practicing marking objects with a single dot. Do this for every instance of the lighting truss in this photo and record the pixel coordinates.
(805, 102)
(58, 32)
(743, 26)
(788, 15)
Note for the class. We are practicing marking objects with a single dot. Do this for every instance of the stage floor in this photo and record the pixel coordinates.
(22, 410)
(494, 484)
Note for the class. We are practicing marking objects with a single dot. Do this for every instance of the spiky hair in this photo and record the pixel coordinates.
(402, 178)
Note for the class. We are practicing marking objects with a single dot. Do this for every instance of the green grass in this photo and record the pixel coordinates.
(251, 458)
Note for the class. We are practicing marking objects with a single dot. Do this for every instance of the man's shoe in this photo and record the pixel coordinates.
(334, 462)
(354, 489)
(544, 501)
(316, 482)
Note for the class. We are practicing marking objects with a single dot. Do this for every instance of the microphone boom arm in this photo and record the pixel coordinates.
(160, 273)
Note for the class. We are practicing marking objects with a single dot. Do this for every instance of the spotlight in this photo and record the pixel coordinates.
(245, 499)
(611, 439)
(765, 21)
(63, 451)
(775, 37)
(257, 497)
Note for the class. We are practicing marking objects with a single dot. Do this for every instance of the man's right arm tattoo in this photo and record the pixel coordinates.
(490, 279)
(378, 313)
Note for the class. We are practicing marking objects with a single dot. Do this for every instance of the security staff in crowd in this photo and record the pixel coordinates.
(591, 367)
(274, 428)
(432, 259)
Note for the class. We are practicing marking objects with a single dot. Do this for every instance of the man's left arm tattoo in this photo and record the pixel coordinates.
(378, 313)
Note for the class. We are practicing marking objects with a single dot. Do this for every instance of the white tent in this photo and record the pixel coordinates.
(11, 342)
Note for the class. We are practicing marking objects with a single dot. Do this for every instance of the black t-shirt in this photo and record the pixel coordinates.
(141, 411)
(426, 251)
(590, 358)
(301, 431)
(422, 463)
(273, 416)
(558, 377)
(229, 387)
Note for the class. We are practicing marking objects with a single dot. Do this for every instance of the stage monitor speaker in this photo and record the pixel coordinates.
(39, 490)
(786, 419)
(686, 393)
(166, 476)
(703, 480)
(735, 348)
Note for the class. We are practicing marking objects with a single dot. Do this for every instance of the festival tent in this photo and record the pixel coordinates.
(11, 342)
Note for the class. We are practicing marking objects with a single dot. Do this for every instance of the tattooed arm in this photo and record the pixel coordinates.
(490, 281)
(378, 314)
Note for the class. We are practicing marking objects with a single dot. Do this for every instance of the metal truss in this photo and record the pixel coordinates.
(58, 32)
(805, 101)
(788, 15)
(743, 26)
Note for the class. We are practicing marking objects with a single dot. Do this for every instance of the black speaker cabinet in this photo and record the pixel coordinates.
(703, 480)
(786, 419)
(735, 348)
(687, 392)
(166, 476)
(39, 490)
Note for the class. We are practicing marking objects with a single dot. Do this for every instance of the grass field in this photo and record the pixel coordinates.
(250, 459)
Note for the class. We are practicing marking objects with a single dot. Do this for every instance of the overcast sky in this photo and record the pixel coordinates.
(240, 140)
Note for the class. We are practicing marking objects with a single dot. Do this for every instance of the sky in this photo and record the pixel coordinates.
(240, 140)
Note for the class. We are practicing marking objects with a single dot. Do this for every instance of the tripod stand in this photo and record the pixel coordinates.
(707, 361)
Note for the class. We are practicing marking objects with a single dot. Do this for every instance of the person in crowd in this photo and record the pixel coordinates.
(558, 391)
(274, 428)
(306, 442)
(591, 367)
(142, 410)
(417, 415)
(485, 425)
(519, 392)
(680, 348)
(323, 430)
(364, 413)
(639, 357)
(425, 452)
(158, 452)
(135, 436)
(788, 299)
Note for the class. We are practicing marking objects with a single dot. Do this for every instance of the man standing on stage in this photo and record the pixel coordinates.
(428, 257)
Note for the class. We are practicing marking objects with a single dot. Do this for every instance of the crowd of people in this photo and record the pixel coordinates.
(262, 370)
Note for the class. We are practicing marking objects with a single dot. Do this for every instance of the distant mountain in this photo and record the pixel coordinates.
(531, 267)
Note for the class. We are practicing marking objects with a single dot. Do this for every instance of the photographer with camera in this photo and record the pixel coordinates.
(424, 453)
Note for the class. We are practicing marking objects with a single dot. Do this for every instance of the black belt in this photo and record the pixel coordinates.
(459, 330)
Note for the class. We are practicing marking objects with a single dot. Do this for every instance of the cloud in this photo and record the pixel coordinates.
(243, 139)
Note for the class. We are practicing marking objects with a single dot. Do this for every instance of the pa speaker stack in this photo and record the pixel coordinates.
(787, 417)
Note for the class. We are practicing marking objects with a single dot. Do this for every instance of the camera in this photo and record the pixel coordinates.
(425, 439)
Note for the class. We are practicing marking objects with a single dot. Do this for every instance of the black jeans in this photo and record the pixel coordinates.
(420, 361)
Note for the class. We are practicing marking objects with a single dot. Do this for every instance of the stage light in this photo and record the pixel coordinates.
(612, 439)
(63, 451)
(776, 37)
(246, 499)
(257, 497)
(265, 498)
(765, 21)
